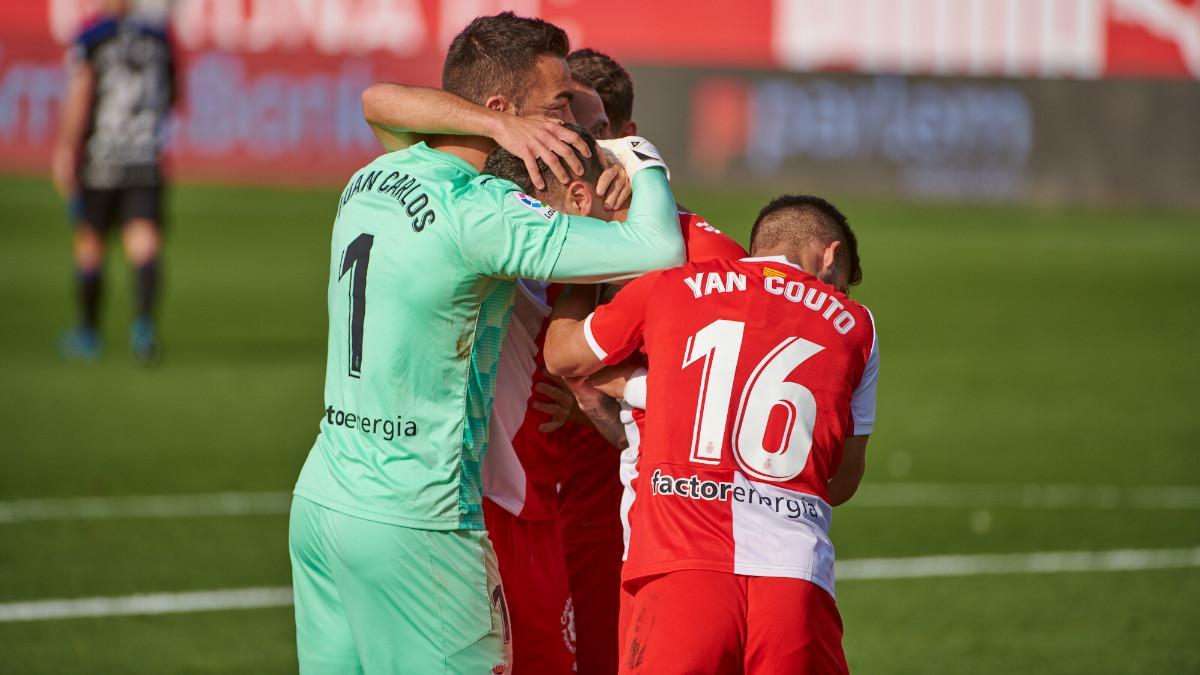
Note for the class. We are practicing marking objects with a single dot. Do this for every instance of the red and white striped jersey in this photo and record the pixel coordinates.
(758, 372)
(523, 466)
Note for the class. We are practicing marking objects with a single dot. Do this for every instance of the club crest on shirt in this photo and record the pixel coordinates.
(540, 208)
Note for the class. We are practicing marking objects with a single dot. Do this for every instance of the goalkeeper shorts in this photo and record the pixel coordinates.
(378, 598)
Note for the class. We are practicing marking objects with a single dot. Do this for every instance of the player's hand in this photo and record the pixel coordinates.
(62, 171)
(559, 404)
(534, 138)
(635, 153)
(615, 187)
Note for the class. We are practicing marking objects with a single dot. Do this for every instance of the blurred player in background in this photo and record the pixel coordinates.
(108, 162)
(730, 562)
(391, 569)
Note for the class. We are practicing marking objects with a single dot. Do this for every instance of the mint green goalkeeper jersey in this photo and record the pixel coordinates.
(421, 280)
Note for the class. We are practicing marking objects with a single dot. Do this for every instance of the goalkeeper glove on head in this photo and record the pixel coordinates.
(634, 153)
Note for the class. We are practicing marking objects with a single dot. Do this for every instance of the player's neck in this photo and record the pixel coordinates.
(471, 149)
(790, 256)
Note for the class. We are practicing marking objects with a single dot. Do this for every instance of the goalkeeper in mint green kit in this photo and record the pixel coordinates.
(392, 569)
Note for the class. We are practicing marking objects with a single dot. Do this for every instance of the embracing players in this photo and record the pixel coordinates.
(391, 569)
(760, 398)
(524, 465)
(541, 474)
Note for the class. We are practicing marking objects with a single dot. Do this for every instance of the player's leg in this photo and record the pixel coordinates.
(420, 601)
(594, 569)
(324, 642)
(793, 627)
(690, 622)
(534, 571)
(623, 614)
(141, 213)
(92, 215)
(593, 540)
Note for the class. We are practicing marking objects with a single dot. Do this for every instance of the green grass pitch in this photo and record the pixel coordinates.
(1019, 347)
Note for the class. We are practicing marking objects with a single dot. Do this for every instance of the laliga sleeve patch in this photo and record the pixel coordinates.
(542, 209)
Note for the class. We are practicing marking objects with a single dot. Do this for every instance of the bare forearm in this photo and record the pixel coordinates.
(850, 472)
(565, 344)
(75, 108)
(71, 128)
(605, 414)
(612, 379)
(843, 485)
(401, 109)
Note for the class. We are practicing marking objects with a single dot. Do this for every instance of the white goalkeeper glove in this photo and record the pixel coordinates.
(634, 153)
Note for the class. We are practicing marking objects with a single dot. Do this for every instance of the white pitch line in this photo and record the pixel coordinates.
(1027, 496)
(149, 603)
(145, 506)
(1044, 562)
(871, 495)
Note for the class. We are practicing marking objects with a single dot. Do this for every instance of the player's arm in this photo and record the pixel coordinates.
(173, 84)
(850, 472)
(612, 380)
(72, 125)
(601, 410)
(846, 479)
(400, 115)
(566, 350)
(626, 381)
(504, 233)
(579, 343)
(648, 240)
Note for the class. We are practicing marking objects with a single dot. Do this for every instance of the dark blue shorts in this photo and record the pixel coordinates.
(101, 209)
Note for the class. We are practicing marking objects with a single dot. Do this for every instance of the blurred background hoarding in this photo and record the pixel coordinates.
(1052, 101)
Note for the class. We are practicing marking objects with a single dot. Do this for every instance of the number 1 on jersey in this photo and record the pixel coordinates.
(356, 257)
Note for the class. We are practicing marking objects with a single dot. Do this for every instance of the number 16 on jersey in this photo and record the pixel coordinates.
(719, 346)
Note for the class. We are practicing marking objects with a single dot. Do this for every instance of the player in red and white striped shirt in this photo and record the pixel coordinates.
(591, 492)
(759, 402)
(526, 451)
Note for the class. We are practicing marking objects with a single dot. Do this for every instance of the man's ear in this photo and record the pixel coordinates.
(500, 104)
(828, 271)
(578, 200)
(829, 256)
(629, 129)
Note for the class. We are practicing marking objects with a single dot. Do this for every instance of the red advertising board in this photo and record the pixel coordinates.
(270, 87)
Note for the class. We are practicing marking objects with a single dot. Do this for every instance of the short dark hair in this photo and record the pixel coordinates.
(798, 220)
(495, 56)
(503, 164)
(609, 79)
